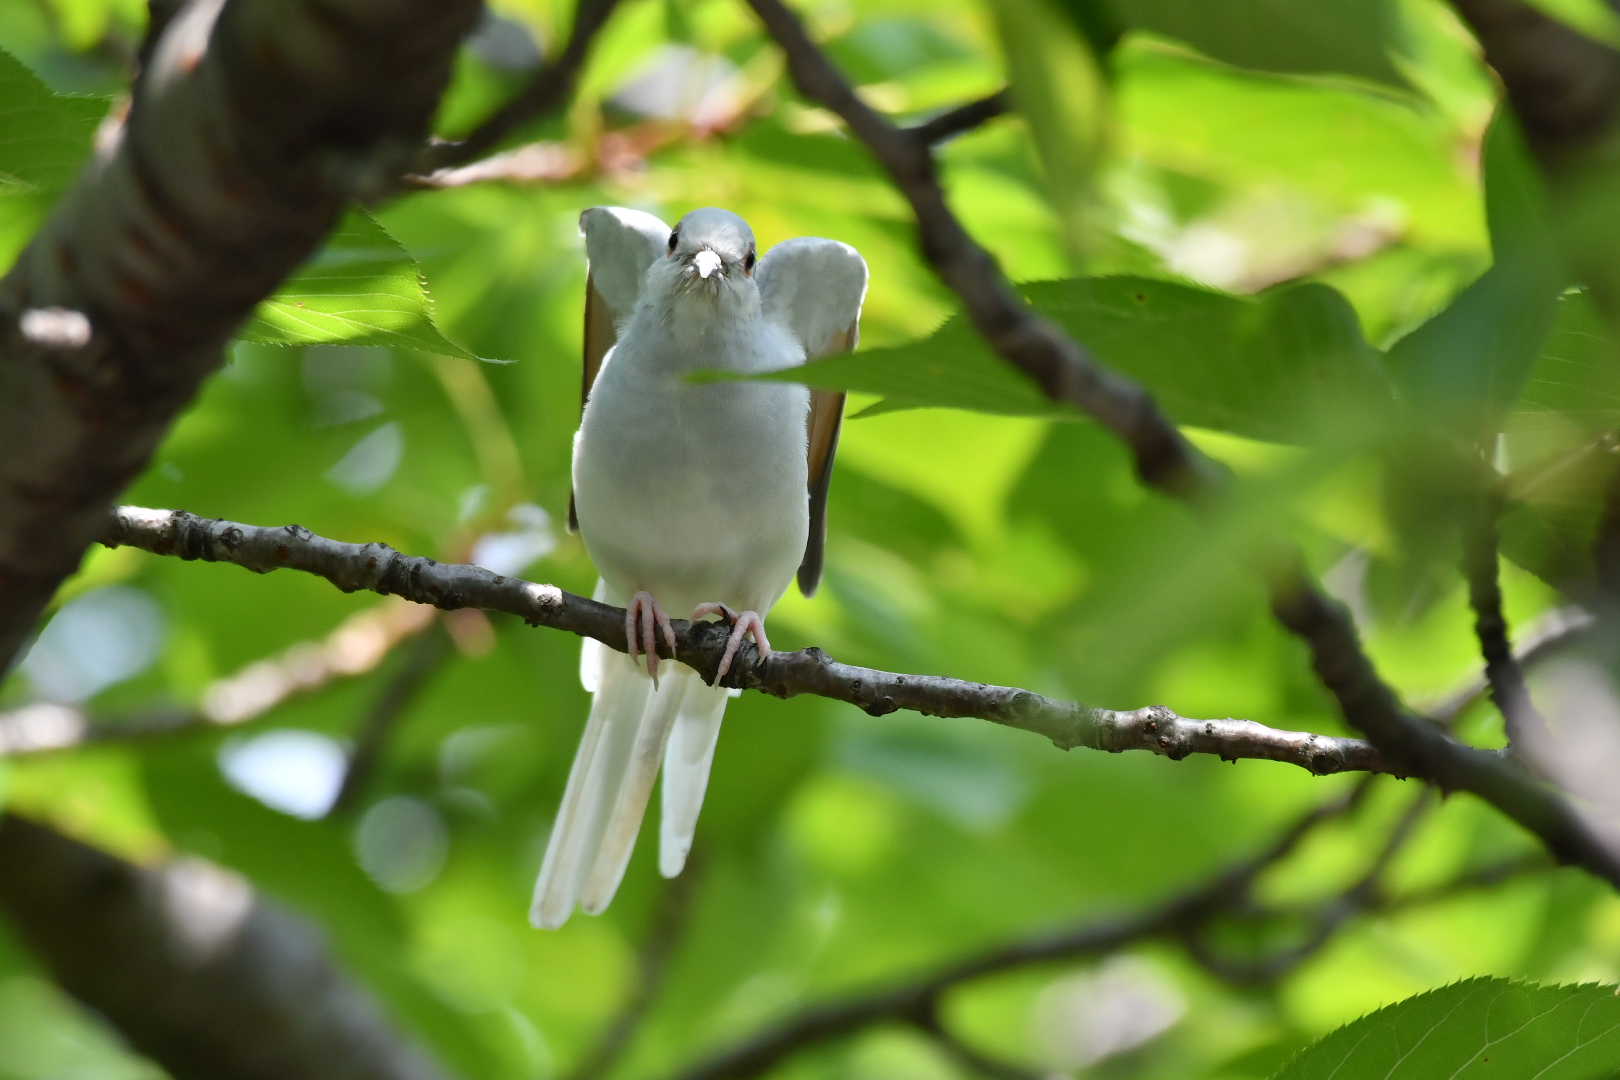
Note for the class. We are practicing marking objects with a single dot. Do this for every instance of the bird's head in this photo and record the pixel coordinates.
(711, 253)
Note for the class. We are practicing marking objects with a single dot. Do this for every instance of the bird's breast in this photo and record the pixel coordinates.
(692, 482)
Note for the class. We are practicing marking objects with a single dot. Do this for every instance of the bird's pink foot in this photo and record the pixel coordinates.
(641, 614)
(746, 622)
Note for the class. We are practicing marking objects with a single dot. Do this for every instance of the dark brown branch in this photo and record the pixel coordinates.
(1036, 346)
(1502, 671)
(1185, 919)
(700, 645)
(417, 666)
(1068, 373)
(966, 1056)
(547, 91)
(1549, 635)
(1372, 707)
(916, 1001)
(200, 975)
(664, 935)
(1564, 86)
(1606, 549)
(1325, 921)
(246, 139)
(962, 118)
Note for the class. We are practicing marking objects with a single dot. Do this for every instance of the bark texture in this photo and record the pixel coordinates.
(197, 972)
(255, 122)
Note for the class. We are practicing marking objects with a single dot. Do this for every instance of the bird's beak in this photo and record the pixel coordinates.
(707, 262)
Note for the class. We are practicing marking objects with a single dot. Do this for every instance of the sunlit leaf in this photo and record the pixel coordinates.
(1267, 367)
(362, 288)
(44, 137)
(1061, 93)
(1353, 37)
(1481, 1027)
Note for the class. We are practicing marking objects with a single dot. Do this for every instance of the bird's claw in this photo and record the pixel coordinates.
(744, 622)
(641, 614)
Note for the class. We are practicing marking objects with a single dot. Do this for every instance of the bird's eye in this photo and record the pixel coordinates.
(674, 238)
(748, 262)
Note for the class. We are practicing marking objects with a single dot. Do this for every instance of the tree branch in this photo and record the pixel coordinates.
(417, 666)
(1176, 919)
(252, 127)
(1363, 895)
(700, 645)
(1565, 87)
(1165, 460)
(962, 118)
(1183, 918)
(550, 87)
(1036, 346)
(1373, 708)
(200, 975)
(1502, 671)
(1553, 632)
(357, 646)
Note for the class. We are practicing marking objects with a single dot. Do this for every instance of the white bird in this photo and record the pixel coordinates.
(701, 498)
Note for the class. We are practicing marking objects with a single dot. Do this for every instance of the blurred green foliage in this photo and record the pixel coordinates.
(1277, 192)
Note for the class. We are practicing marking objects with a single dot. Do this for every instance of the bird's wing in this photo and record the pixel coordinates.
(619, 246)
(814, 289)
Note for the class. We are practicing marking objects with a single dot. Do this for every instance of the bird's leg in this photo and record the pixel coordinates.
(643, 609)
(746, 622)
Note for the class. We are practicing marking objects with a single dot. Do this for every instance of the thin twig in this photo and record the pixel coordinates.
(1325, 920)
(1038, 347)
(1548, 635)
(1164, 459)
(1502, 669)
(1372, 707)
(916, 1001)
(417, 666)
(963, 118)
(968, 1057)
(550, 87)
(669, 923)
(1182, 919)
(700, 645)
(357, 646)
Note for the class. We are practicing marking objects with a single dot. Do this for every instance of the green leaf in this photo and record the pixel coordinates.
(1556, 447)
(1575, 378)
(1353, 150)
(362, 288)
(1478, 1028)
(1061, 93)
(1352, 37)
(1267, 367)
(45, 138)
(1466, 366)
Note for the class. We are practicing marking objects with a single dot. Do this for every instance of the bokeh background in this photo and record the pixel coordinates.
(836, 851)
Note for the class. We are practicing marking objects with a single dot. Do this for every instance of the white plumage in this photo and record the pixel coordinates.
(687, 495)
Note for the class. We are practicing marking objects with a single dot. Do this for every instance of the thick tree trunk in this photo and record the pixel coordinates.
(198, 973)
(255, 122)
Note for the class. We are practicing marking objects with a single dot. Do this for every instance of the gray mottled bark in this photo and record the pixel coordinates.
(255, 122)
(380, 568)
(197, 972)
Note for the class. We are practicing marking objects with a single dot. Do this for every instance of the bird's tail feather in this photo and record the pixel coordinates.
(607, 791)
(686, 772)
(630, 805)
